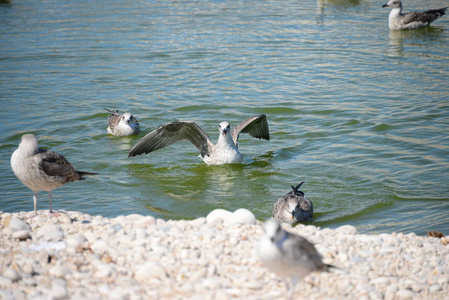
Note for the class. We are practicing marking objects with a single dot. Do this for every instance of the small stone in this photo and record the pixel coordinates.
(103, 270)
(435, 288)
(59, 292)
(347, 229)
(50, 233)
(146, 221)
(76, 240)
(405, 294)
(21, 234)
(28, 269)
(18, 224)
(12, 274)
(59, 271)
(148, 271)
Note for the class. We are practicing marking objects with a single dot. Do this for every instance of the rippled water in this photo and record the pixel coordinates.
(359, 113)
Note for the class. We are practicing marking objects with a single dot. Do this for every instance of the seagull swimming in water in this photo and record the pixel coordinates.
(411, 20)
(293, 208)
(122, 124)
(42, 170)
(288, 255)
(225, 151)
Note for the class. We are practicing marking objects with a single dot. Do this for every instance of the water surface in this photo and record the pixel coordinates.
(359, 113)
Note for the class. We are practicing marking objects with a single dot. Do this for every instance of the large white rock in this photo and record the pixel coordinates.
(243, 216)
(17, 224)
(219, 213)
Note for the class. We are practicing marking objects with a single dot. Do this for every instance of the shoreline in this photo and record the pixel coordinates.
(79, 256)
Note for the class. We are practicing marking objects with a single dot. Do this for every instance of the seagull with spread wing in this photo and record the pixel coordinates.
(225, 151)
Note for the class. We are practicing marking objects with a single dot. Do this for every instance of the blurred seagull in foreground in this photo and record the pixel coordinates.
(411, 20)
(288, 255)
(42, 170)
(225, 151)
(122, 124)
(293, 208)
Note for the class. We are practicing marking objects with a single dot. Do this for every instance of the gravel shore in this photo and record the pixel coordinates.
(78, 256)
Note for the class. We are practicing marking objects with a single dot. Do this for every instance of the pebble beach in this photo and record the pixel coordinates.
(79, 256)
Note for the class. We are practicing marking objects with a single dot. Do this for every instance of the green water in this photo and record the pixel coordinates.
(359, 113)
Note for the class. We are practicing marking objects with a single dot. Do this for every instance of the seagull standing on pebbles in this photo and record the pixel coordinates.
(42, 170)
(122, 124)
(225, 151)
(411, 20)
(288, 255)
(293, 208)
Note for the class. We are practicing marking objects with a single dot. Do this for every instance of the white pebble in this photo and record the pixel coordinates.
(243, 216)
(12, 274)
(18, 224)
(435, 288)
(405, 294)
(347, 229)
(50, 233)
(218, 214)
(148, 271)
(21, 234)
(59, 292)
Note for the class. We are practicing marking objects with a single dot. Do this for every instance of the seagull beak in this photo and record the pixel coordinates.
(385, 5)
(224, 131)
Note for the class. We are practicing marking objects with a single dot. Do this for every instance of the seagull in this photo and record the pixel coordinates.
(288, 255)
(122, 124)
(411, 20)
(224, 152)
(293, 208)
(42, 170)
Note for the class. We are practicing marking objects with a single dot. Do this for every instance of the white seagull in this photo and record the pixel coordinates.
(293, 208)
(42, 170)
(288, 255)
(411, 20)
(122, 124)
(225, 151)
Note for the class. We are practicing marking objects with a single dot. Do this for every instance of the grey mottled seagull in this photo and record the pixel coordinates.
(122, 124)
(411, 20)
(42, 170)
(293, 208)
(288, 255)
(225, 151)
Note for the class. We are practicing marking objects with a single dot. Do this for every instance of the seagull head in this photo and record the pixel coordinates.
(273, 230)
(224, 127)
(393, 4)
(293, 209)
(29, 144)
(128, 118)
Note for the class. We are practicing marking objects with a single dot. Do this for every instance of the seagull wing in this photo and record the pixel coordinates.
(54, 164)
(301, 251)
(171, 133)
(256, 126)
(422, 18)
(113, 118)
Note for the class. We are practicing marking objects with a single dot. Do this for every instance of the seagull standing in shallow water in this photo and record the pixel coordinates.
(225, 151)
(42, 170)
(287, 254)
(293, 208)
(411, 20)
(122, 124)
